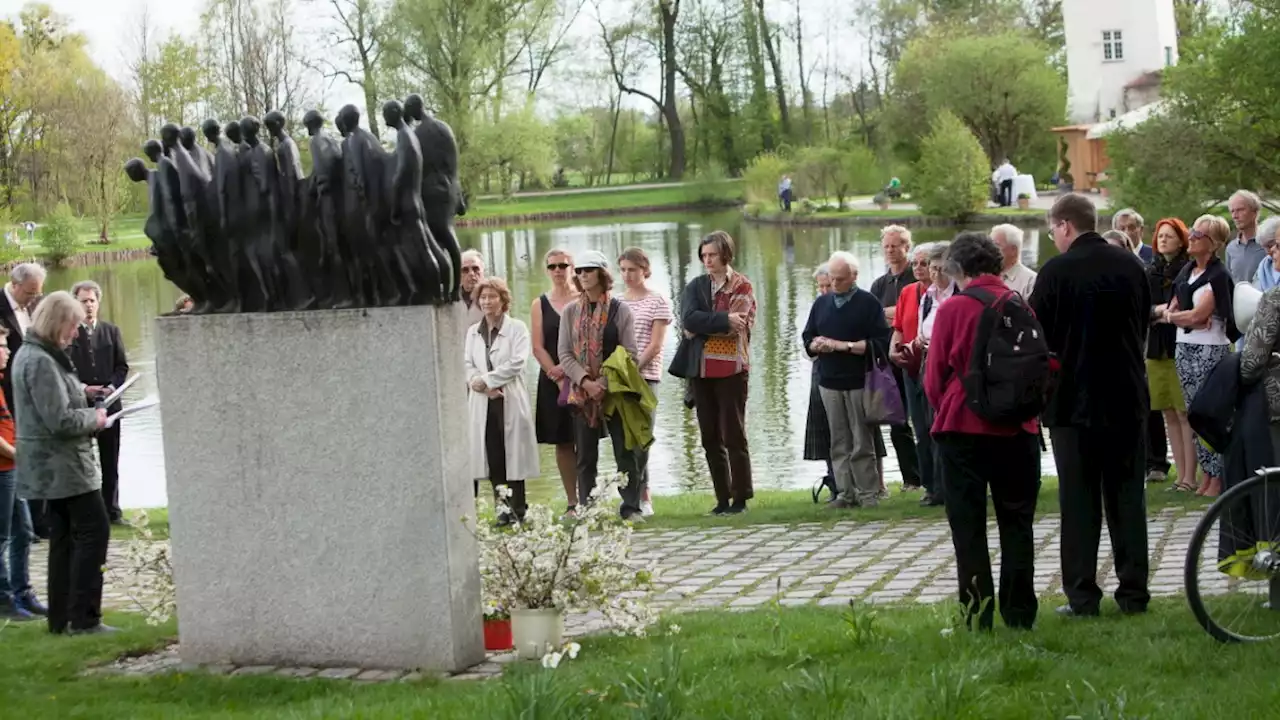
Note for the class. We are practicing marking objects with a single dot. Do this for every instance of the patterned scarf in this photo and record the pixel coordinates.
(588, 350)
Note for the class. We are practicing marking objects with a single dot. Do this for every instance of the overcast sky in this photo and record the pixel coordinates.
(111, 26)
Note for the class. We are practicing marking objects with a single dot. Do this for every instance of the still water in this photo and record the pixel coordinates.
(779, 262)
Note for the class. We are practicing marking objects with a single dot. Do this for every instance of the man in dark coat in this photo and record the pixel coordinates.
(25, 286)
(98, 355)
(1094, 303)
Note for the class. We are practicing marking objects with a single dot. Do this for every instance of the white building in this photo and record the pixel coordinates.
(1116, 50)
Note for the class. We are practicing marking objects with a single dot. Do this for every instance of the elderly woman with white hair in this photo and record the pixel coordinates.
(845, 327)
(907, 354)
(817, 433)
(1268, 273)
(55, 428)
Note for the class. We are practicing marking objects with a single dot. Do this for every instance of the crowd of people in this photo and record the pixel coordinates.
(1131, 332)
(61, 363)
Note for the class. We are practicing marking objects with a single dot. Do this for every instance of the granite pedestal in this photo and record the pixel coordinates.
(316, 469)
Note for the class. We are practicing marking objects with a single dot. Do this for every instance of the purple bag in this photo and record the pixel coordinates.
(881, 401)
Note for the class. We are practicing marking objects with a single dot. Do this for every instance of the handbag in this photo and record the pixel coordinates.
(881, 400)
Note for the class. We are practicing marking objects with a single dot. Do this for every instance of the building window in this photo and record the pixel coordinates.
(1112, 45)
(1168, 55)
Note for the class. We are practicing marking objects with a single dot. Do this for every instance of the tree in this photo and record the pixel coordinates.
(256, 58)
(355, 29)
(952, 176)
(176, 85)
(1165, 166)
(999, 86)
(835, 172)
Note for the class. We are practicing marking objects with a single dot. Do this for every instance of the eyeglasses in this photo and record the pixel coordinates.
(471, 269)
(579, 271)
(1196, 235)
(557, 266)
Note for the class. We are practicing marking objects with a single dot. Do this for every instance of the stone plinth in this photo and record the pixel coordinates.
(316, 478)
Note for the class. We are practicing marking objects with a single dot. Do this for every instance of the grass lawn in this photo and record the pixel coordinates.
(612, 200)
(888, 662)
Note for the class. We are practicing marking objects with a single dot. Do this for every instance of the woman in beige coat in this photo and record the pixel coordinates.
(504, 448)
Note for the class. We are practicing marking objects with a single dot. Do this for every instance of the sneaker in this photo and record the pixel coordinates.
(14, 612)
(1157, 476)
(98, 629)
(646, 508)
(719, 510)
(28, 601)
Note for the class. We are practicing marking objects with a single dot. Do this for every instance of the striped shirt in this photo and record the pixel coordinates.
(647, 310)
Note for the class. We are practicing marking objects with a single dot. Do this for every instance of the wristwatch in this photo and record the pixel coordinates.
(848, 347)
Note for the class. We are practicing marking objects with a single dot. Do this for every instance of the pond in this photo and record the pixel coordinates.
(779, 261)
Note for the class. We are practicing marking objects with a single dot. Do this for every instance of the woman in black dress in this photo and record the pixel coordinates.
(817, 432)
(553, 421)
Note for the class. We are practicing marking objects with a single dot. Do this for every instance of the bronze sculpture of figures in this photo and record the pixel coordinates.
(239, 227)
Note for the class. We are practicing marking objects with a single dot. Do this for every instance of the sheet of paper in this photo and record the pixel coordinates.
(126, 412)
(113, 397)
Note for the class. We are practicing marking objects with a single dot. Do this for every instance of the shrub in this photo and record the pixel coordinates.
(58, 234)
(837, 172)
(951, 178)
(11, 236)
(761, 178)
(708, 186)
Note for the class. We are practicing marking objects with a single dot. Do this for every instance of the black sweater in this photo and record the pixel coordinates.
(862, 318)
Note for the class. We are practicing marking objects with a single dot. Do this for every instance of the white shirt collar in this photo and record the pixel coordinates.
(8, 293)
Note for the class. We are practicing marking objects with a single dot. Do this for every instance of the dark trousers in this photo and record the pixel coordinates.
(1006, 193)
(722, 421)
(78, 535)
(1011, 465)
(109, 456)
(1102, 470)
(1157, 444)
(39, 518)
(630, 462)
(918, 411)
(904, 442)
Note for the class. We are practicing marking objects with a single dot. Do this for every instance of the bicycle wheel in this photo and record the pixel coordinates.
(1232, 572)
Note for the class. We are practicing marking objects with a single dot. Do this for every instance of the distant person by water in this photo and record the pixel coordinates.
(1094, 305)
(719, 308)
(553, 418)
(652, 313)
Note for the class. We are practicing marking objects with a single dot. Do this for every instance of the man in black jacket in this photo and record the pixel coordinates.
(1095, 305)
(21, 293)
(98, 355)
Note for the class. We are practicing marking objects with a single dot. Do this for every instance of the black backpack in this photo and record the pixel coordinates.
(1010, 371)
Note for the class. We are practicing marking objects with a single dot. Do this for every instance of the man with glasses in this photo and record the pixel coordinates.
(472, 274)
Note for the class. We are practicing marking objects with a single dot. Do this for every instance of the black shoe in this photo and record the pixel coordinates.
(98, 629)
(719, 510)
(736, 509)
(119, 521)
(1069, 612)
(931, 500)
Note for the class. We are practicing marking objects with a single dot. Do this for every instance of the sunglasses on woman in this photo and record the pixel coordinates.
(557, 266)
(579, 271)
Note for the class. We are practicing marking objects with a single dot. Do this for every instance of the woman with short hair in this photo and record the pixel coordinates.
(504, 447)
(975, 453)
(652, 313)
(1201, 310)
(817, 432)
(55, 427)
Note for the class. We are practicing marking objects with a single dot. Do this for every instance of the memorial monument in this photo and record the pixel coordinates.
(316, 486)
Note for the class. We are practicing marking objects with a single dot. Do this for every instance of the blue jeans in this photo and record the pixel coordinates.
(15, 534)
(918, 410)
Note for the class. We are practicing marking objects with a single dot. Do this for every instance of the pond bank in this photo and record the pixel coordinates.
(904, 217)
(494, 220)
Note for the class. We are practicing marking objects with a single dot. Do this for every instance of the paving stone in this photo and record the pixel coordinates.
(253, 670)
(296, 672)
(338, 673)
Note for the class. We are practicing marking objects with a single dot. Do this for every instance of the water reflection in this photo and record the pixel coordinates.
(779, 262)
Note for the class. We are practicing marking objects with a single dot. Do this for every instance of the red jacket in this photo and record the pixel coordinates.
(950, 348)
(906, 318)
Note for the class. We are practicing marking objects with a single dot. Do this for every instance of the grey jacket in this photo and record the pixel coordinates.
(55, 425)
(624, 323)
(1256, 359)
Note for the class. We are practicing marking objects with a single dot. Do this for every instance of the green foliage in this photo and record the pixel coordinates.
(951, 179)
(59, 234)
(762, 176)
(11, 236)
(825, 172)
(519, 145)
(660, 695)
(707, 187)
(1165, 167)
(1000, 86)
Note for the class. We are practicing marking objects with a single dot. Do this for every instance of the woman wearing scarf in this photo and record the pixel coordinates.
(720, 307)
(592, 327)
(1204, 329)
(1162, 374)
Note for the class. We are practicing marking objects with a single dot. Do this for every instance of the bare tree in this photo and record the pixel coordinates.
(137, 56)
(254, 53)
(354, 30)
(779, 86)
(547, 45)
